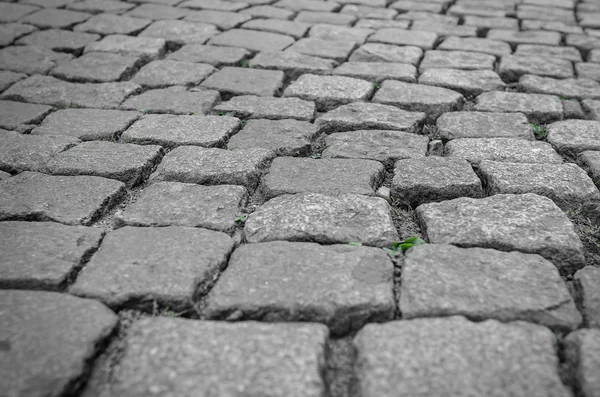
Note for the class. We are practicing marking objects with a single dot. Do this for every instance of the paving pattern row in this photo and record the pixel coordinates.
(206, 198)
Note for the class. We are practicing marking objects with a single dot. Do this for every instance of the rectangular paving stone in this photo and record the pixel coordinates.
(424, 40)
(341, 286)
(223, 20)
(527, 223)
(97, 67)
(465, 60)
(337, 50)
(368, 23)
(453, 356)
(71, 200)
(591, 108)
(583, 42)
(252, 40)
(127, 163)
(443, 280)
(48, 18)
(288, 28)
(308, 5)
(330, 18)
(255, 107)
(456, 125)
(515, 37)
(50, 3)
(538, 108)
(558, 26)
(176, 100)
(588, 296)
(9, 32)
(164, 73)
(214, 5)
(475, 44)
(340, 33)
(533, 50)
(377, 71)
(145, 48)
(313, 217)
(588, 70)
(14, 114)
(156, 12)
(293, 64)
(213, 55)
(375, 52)
(267, 11)
(582, 350)
(31, 59)
(185, 204)
(369, 12)
(490, 23)
(467, 82)
(244, 81)
(43, 255)
(545, 13)
(571, 137)
(512, 67)
(178, 33)
(444, 29)
(461, 10)
(506, 150)
(42, 358)
(428, 16)
(565, 88)
(168, 265)
(101, 6)
(404, 6)
(59, 40)
(108, 24)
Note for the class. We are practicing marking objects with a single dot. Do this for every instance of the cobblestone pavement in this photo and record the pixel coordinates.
(206, 198)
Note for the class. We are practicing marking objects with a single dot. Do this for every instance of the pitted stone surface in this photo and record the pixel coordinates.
(475, 44)
(243, 81)
(49, 339)
(507, 222)
(548, 51)
(176, 100)
(42, 255)
(293, 64)
(375, 52)
(424, 40)
(586, 287)
(462, 10)
(429, 179)
(59, 40)
(252, 40)
(71, 200)
(364, 116)
(512, 67)
(337, 50)
(180, 32)
(369, 12)
(515, 37)
(428, 16)
(348, 286)
(368, 23)
(4, 175)
(290, 175)
(538, 108)
(14, 114)
(567, 88)
(216, 56)
(506, 150)
(185, 204)
(456, 125)
(96, 67)
(330, 18)
(138, 265)
(490, 23)
(340, 33)
(466, 60)
(582, 349)
(378, 71)
(571, 137)
(255, 107)
(296, 30)
(145, 48)
(192, 164)
(467, 82)
(445, 29)
(164, 73)
(106, 24)
(224, 20)
(31, 59)
(318, 218)
(453, 356)
(591, 108)
(443, 280)
(284, 137)
(272, 360)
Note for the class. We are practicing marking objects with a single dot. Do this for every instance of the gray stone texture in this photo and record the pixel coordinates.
(224, 20)
(378, 71)
(444, 29)
(156, 12)
(97, 67)
(591, 108)
(31, 59)
(14, 114)
(475, 44)
(515, 37)
(340, 33)
(101, 6)
(180, 32)
(571, 137)
(252, 40)
(255, 107)
(588, 70)
(590, 161)
(567, 88)
(465, 60)
(144, 48)
(266, 11)
(59, 40)
(375, 52)
(424, 40)
(467, 82)
(582, 352)
(244, 81)
(337, 50)
(506, 150)
(538, 108)
(549, 51)
(456, 125)
(48, 18)
(13, 12)
(176, 100)
(588, 295)
(106, 24)
(164, 73)
(10, 32)
(330, 18)
(296, 30)
(214, 5)
(293, 64)
(213, 55)
(512, 67)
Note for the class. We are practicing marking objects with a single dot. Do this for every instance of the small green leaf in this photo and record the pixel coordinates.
(245, 63)
(143, 110)
(390, 252)
(355, 244)
(241, 219)
(376, 85)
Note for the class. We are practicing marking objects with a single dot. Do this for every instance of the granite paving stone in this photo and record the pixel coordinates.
(71, 200)
(571, 137)
(330, 18)
(43, 255)
(512, 67)
(381, 23)
(86, 124)
(591, 108)
(106, 24)
(284, 137)
(546, 13)
(178, 33)
(428, 16)
(340, 33)
(538, 108)
(313, 217)
(337, 50)
(348, 286)
(49, 3)
(31, 59)
(557, 26)
(533, 50)
(101, 6)
(405, 6)
(12, 12)
(594, 56)
(214, 5)
(185, 204)
(424, 40)
(441, 356)
(176, 100)
(580, 88)
(430, 179)
(378, 71)
(156, 12)
(137, 266)
(369, 12)
(144, 48)
(164, 73)
(508, 150)
(97, 67)
(590, 161)
(491, 23)
(586, 288)
(467, 82)
(582, 349)
(296, 30)
(466, 60)
(583, 42)
(455, 125)
(588, 70)
(255, 107)
(48, 18)
(461, 10)
(293, 64)
(232, 81)
(50, 340)
(308, 5)
(443, 280)
(10, 32)
(475, 44)
(375, 52)
(515, 37)
(59, 40)
(267, 11)
(4, 175)
(371, 3)
(252, 40)
(224, 20)
(528, 223)
(13, 114)
(444, 29)
(212, 55)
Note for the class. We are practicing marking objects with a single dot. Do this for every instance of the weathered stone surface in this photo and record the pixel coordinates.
(86, 124)
(594, 56)
(224, 20)
(175, 100)
(375, 52)
(588, 70)
(424, 40)
(490, 23)
(475, 44)
(329, 92)
(252, 40)
(31, 59)
(156, 12)
(443, 280)
(592, 108)
(428, 16)
(403, 5)
(254, 107)
(538, 108)
(14, 114)
(549, 51)
(180, 32)
(508, 222)
(293, 64)
(214, 5)
(583, 42)
(566, 88)
(291, 175)
(313, 217)
(308, 5)
(184, 204)
(101, 6)
(49, 3)
(429, 179)
(445, 29)
(456, 125)
(586, 287)
(558, 26)
(11, 12)
(456, 60)
(48, 18)
(106, 24)
(433, 101)
(571, 137)
(164, 73)
(192, 164)
(267, 11)
(71, 200)
(145, 48)
(42, 255)
(366, 23)
(59, 40)
(289, 28)
(51, 91)
(483, 10)
(9, 32)
(364, 116)
(453, 356)
(516, 37)
(49, 340)
(369, 12)
(284, 137)
(467, 82)
(590, 161)
(330, 18)
(513, 66)
(4, 175)
(244, 81)
(97, 67)
(337, 50)
(213, 55)
(378, 71)
(261, 359)
(340, 33)
(170, 265)
(582, 349)
(545, 13)
(341, 286)
(507, 150)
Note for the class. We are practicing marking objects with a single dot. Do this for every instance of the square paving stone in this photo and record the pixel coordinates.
(31, 59)
(538, 108)
(244, 81)
(168, 265)
(20, 152)
(571, 137)
(51, 91)
(453, 356)
(429, 179)
(582, 349)
(223, 20)
(507, 222)
(506, 150)
(364, 116)
(424, 40)
(97, 67)
(14, 114)
(590, 161)
(71, 200)
(289, 28)
(378, 71)
(49, 18)
(293, 64)
(467, 82)
(375, 52)
(443, 280)
(175, 100)
(178, 33)
(43, 255)
(101, 6)
(433, 101)
(329, 92)
(456, 125)
(255, 107)
(313, 217)
(192, 164)
(145, 48)
(50, 341)
(456, 60)
(513, 66)
(271, 360)
(185, 204)
(156, 12)
(106, 24)
(516, 37)
(171, 131)
(9, 32)
(341, 286)
(127, 163)
(330, 18)
(290, 175)
(475, 44)
(340, 33)
(11, 12)
(164, 73)
(586, 288)
(59, 40)
(337, 50)
(252, 40)
(284, 137)
(86, 124)
(213, 55)
(567, 88)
